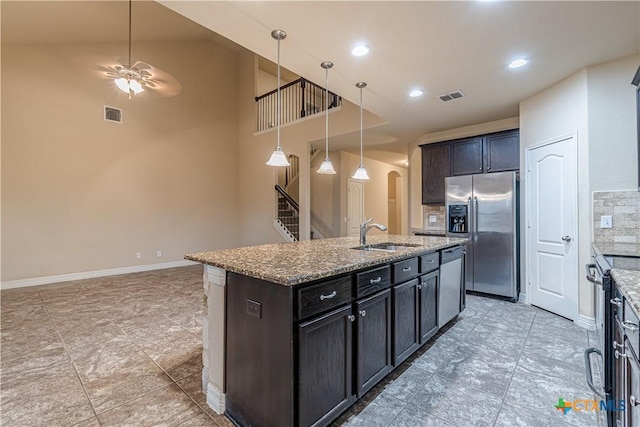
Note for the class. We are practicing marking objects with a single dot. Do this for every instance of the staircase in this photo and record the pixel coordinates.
(287, 222)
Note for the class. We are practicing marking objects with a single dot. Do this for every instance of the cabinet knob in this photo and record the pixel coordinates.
(420, 286)
(633, 400)
(363, 313)
(617, 346)
(616, 301)
(619, 355)
(351, 317)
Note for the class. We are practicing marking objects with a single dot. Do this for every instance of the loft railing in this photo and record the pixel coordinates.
(299, 98)
(288, 212)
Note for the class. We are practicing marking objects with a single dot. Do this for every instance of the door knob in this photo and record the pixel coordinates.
(566, 238)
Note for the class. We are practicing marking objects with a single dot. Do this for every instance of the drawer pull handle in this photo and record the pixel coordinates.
(431, 261)
(374, 281)
(630, 326)
(619, 355)
(351, 317)
(331, 295)
(406, 269)
(633, 400)
(616, 302)
(363, 313)
(617, 346)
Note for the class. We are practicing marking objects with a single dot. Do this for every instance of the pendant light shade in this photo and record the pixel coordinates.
(326, 167)
(361, 172)
(129, 79)
(278, 158)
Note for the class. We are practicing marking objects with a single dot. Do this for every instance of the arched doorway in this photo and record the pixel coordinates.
(394, 203)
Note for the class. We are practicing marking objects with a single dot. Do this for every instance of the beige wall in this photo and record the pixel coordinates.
(82, 194)
(325, 196)
(375, 190)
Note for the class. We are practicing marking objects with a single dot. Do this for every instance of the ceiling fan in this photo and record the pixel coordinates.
(135, 78)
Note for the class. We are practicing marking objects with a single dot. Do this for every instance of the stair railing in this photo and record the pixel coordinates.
(288, 212)
(299, 98)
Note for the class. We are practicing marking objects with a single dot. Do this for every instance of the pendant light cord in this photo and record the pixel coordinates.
(130, 1)
(326, 116)
(278, 100)
(361, 163)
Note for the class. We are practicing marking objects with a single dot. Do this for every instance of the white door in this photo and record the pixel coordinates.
(355, 206)
(552, 215)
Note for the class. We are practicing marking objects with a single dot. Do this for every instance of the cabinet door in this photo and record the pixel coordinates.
(467, 156)
(428, 287)
(406, 338)
(325, 367)
(633, 385)
(436, 166)
(374, 340)
(502, 151)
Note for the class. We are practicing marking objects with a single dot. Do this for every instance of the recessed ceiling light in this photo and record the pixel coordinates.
(517, 63)
(415, 93)
(360, 50)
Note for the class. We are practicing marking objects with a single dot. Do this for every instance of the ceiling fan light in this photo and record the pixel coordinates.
(361, 173)
(278, 158)
(326, 167)
(122, 84)
(135, 86)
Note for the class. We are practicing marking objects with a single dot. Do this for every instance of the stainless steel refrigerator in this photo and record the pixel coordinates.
(484, 208)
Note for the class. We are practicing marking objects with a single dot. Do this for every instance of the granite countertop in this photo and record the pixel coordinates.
(429, 233)
(299, 262)
(629, 283)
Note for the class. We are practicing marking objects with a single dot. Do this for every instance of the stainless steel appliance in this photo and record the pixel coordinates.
(450, 296)
(484, 208)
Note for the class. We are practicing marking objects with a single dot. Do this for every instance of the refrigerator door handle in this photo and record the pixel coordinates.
(469, 214)
(475, 219)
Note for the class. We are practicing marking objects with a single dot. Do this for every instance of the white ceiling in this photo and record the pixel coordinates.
(436, 46)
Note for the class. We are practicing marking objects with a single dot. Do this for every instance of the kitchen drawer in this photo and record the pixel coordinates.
(373, 280)
(631, 327)
(429, 262)
(323, 296)
(404, 270)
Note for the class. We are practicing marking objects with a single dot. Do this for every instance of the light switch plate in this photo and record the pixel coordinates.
(433, 218)
(606, 221)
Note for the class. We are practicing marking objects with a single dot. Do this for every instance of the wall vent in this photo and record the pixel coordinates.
(457, 94)
(112, 114)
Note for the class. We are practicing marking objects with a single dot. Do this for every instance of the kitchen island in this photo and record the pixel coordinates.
(295, 333)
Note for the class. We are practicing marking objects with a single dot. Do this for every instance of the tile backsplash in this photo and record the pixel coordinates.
(624, 208)
(436, 210)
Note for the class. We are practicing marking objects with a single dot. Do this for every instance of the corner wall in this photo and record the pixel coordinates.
(82, 194)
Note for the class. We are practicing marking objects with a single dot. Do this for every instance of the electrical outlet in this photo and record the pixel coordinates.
(254, 308)
(158, 253)
(138, 255)
(433, 218)
(606, 221)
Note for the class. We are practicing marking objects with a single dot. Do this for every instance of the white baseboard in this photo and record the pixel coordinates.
(215, 399)
(523, 298)
(45, 280)
(586, 322)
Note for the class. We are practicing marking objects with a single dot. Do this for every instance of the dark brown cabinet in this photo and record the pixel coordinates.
(495, 152)
(374, 340)
(325, 383)
(436, 166)
(502, 151)
(428, 303)
(467, 156)
(405, 320)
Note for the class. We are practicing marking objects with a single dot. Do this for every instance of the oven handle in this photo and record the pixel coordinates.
(592, 276)
(588, 373)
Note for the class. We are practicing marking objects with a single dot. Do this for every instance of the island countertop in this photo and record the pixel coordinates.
(293, 263)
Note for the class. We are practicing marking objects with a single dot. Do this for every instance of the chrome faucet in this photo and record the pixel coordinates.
(364, 228)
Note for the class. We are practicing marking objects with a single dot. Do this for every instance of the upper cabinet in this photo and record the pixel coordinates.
(495, 152)
(436, 166)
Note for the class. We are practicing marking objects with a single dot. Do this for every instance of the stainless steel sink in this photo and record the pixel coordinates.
(386, 247)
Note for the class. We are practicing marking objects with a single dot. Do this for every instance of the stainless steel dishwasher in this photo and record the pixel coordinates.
(451, 277)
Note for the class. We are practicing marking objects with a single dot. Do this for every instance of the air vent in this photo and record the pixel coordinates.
(451, 96)
(112, 114)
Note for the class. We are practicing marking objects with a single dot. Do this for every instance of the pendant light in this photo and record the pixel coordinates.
(129, 79)
(361, 172)
(326, 167)
(278, 158)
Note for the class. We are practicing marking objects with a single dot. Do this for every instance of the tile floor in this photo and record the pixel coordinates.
(126, 350)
